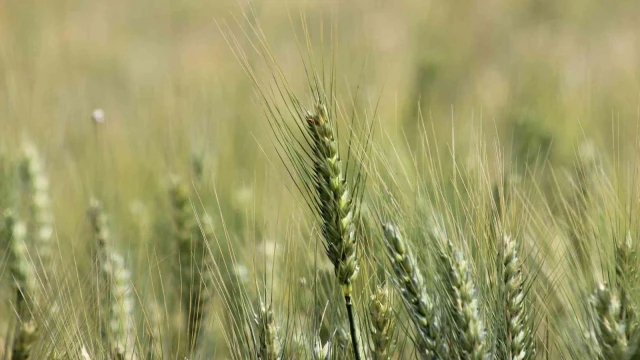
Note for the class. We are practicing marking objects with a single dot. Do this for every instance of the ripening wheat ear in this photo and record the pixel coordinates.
(463, 304)
(382, 323)
(116, 298)
(20, 269)
(408, 278)
(195, 268)
(610, 332)
(520, 336)
(40, 222)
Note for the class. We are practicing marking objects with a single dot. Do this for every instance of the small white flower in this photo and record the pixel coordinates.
(97, 115)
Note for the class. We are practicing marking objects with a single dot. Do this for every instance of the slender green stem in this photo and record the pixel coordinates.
(352, 325)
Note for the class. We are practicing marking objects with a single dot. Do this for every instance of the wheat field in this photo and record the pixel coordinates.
(319, 179)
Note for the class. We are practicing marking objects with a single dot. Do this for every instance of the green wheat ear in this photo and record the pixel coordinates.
(335, 207)
(116, 297)
(40, 223)
(382, 323)
(26, 332)
(520, 336)
(610, 332)
(410, 283)
(335, 204)
(626, 280)
(470, 333)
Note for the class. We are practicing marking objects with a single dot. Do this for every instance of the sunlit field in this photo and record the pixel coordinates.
(360, 179)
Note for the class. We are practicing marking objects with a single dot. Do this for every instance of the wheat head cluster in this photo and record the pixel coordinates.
(395, 251)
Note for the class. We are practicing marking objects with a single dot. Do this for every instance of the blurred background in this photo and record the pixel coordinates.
(532, 73)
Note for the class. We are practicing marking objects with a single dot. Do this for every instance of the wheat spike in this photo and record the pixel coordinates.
(410, 282)
(626, 280)
(382, 323)
(463, 304)
(610, 332)
(26, 332)
(334, 200)
(115, 293)
(40, 224)
(335, 208)
(520, 342)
